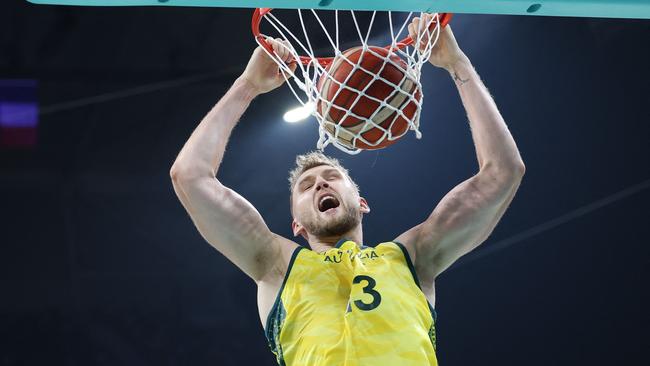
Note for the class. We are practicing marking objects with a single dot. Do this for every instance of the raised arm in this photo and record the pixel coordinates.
(466, 216)
(224, 218)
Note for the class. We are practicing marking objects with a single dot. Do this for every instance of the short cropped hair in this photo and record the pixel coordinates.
(310, 160)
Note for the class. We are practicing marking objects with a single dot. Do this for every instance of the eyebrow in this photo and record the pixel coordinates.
(329, 170)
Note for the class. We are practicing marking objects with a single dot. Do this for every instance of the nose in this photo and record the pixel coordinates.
(321, 184)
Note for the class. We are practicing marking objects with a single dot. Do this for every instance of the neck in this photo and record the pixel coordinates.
(323, 243)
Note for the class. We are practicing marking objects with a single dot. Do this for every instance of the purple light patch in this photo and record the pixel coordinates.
(14, 114)
(18, 113)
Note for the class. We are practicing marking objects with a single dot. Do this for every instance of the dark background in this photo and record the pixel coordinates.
(100, 264)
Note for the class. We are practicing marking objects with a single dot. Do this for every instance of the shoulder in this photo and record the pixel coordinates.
(284, 252)
(409, 239)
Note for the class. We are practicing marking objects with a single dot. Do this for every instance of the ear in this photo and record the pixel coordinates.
(298, 229)
(365, 208)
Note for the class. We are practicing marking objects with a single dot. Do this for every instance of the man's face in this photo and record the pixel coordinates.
(326, 203)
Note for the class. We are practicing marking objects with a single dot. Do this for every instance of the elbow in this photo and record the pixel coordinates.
(511, 171)
(181, 174)
(184, 176)
(514, 172)
(519, 168)
(175, 173)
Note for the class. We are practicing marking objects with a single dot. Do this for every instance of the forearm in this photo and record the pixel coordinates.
(494, 143)
(203, 152)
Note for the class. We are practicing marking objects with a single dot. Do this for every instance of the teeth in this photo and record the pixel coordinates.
(324, 198)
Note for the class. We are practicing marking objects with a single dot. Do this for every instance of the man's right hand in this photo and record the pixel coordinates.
(262, 73)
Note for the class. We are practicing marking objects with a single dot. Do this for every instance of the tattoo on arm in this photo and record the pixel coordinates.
(459, 80)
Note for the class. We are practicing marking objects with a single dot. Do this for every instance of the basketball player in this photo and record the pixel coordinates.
(340, 302)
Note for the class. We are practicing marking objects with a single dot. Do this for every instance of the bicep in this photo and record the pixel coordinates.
(463, 219)
(231, 225)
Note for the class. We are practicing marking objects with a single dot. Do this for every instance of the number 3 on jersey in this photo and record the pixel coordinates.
(368, 289)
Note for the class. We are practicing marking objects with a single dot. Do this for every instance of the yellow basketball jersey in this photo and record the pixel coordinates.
(352, 306)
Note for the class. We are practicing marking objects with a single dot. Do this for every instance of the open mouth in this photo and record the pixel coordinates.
(327, 202)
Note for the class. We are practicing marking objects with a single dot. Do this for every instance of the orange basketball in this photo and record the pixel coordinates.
(363, 95)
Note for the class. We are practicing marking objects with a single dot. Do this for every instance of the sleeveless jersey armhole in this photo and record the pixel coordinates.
(407, 257)
(276, 303)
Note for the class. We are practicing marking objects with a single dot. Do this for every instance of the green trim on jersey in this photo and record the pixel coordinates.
(434, 314)
(340, 242)
(415, 276)
(278, 313)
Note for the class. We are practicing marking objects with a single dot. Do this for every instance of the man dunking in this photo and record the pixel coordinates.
(340, 302)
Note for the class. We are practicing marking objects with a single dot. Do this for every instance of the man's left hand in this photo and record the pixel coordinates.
(445, 53)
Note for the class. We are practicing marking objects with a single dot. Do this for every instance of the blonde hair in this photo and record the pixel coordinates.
(310, 160)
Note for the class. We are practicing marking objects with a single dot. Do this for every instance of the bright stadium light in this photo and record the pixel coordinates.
(300, 113)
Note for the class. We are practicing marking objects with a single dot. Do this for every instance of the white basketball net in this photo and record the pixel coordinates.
(306, 78)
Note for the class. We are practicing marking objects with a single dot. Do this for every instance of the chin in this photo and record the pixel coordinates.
(338, 222)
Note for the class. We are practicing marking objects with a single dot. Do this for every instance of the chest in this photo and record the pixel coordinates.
(344, 281)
